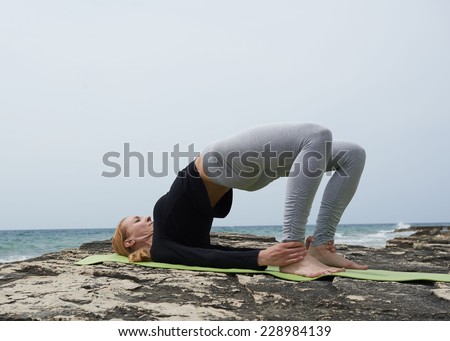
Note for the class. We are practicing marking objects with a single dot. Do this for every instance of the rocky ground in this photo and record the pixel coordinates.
(51, 287)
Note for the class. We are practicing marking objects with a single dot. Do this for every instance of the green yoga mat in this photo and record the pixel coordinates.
(372, 275)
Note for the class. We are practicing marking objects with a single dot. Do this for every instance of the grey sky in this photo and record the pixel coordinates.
(81, 78)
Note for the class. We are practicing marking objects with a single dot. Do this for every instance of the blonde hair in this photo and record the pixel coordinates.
(139, 255)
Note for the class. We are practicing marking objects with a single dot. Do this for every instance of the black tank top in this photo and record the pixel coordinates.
(182, 220)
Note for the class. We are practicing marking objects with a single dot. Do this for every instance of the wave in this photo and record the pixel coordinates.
(402, 226)
(15, 258)
(375, 239)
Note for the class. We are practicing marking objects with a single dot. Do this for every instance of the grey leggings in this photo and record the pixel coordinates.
(253, 158)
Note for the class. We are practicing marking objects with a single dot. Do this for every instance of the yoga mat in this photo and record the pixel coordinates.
(372, 275)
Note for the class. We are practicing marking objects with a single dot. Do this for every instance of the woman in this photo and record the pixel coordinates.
(250, 160)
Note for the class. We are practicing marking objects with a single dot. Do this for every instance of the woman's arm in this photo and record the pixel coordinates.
(168, 251)
(282, 254)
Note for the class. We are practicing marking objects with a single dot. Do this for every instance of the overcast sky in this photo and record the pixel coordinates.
(79, 79)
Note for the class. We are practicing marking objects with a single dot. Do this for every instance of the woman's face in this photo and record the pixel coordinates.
(139, 232)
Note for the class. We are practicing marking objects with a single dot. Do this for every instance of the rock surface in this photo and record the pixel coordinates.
(51, 287)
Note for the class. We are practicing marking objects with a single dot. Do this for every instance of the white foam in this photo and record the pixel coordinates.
(376, 239)
(14, 258)
(401, 226)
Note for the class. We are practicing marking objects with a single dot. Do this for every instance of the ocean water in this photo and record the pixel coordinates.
(16, 245)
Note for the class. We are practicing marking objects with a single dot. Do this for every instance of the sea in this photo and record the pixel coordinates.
(18, 245)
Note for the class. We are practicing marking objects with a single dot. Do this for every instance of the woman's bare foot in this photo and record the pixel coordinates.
(325, 256)
(309, 267)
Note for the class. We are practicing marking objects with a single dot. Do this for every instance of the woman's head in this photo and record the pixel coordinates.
(133, 238)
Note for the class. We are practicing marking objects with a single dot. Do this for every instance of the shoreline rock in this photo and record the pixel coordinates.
(51, 287)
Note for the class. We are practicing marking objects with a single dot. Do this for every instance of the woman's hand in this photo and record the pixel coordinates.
(329, 246)
(282, 254)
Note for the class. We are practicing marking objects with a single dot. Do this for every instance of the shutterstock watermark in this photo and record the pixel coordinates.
(121, 163)
(247, 164)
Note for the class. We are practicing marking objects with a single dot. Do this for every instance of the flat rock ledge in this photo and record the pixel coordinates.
(52, 287)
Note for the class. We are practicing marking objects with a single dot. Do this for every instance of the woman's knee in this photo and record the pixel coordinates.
(347, 155)
(355, 154)
(358, 153)
(320, 132)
